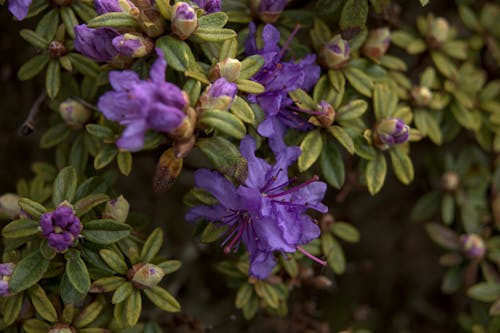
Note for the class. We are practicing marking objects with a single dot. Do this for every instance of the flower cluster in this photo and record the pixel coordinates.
(60, 227)
(266, 213)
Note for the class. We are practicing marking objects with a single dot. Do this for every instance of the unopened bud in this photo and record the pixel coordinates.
(57, 49)
(218, 96)
(335, 54)
(132, 45)
(9, 206)
(389, 132)
(325, 115)
(184, 147)
(268, 10)
(421, 96)
(377, 43)
(229, 69)
(184, 20)
(60, 330)
(5, 273)
(117, 209)
(167, 170)
(450, 181)
(473, 246)
(74, 113)
(438, 31)
(147, 275)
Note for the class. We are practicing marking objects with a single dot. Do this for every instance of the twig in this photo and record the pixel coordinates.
(29, 124)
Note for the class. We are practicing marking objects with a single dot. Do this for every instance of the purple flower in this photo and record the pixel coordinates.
(390, 132)
(268, 10)
(210, 6)
(142, 105)
(279, 78)
(218, 96)
(473, 246)
(96, 44)
(19, 8)
(61, 227)
(184, 20)
(107, 6)
(5, 273)
(266, 213)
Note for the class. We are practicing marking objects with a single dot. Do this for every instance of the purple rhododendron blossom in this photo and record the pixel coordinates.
(279, 78)
(140, 105)
(96, 44)
(222, 87)
(19, 8)
(184, 12)
(61, 227)
(265, 213)
(107, 6)
(210, 6)
(272, 6)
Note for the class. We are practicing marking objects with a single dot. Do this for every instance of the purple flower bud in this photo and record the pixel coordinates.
(335, 54)
(96, 44)
(229, 69)
(377, 43)
(390, 132)
(107, 6)
(19, 8)
(116, 209)
(184, 20)
(61, 227)
(268, 10)
(74, 113)
(134, 46)
(219, 95)
(473, 246)
(210, 6)
(147, 276)
(5, 273)
(324, 115)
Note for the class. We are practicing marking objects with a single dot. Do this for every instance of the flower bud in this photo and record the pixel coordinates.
(421, 96)
(218, 96)
(167, 170)
(389, 132)
(377, 43)
(450, 181)
(60, 328)
(5, 273)
(268, 10)
(147, 275)
(229, 69)
(57, 49)
(132, 45)
(74, 113)
(117, 209)
(325, 115)
(473, 246)
(184, 20)
(438, 31)
(335, 53)
(61, 227)
(9, 207)
(210, 6)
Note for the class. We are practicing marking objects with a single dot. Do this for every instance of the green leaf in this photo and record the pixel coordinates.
(84, 65)
(114, 260)
(105, 156)
(28, 271)
(311, 148)
(346, 231)
(485, 291)
(31, 207)
(152, 245)
(424, 2)
(385, 101)
(11, 306)
(376, 170)
(250, 87)
(428, 125)
(35, 326)
(426, 206)
(105, 232)
(332, 164)
(469, 18)
(224, 122)
(337, 80)
(99, 131)
(443, 236)
(212, 232)
(177, 53)
(448, 209)
(42, 304)
(302, 99)
(122, 293)
(47, 26)
(359, 81)
(162, 299)
(54, 135)
(53, 78)
(133, 307)
(107, 284)
(214, 34)
(88, 315)
(250, 66)
(243, 295)
(402, 165)
(64, 187)
(343, 137)
(229, 49)
(354, 16)
(124, 160)
(114, 20)
(290, 265)
(84, 205)
(32, 67)
(242, 110)
(214, 20)
(444, 65)
(268, 294)
(20, 229)
(333, 252)
(69, 19)
(170, 266)
(77, 272)
(352, 110)
(34, 39)
(84, 10)
(225, 156)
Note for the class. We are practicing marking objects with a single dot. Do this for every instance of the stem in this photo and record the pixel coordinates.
(310, 256)
(29, 124)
